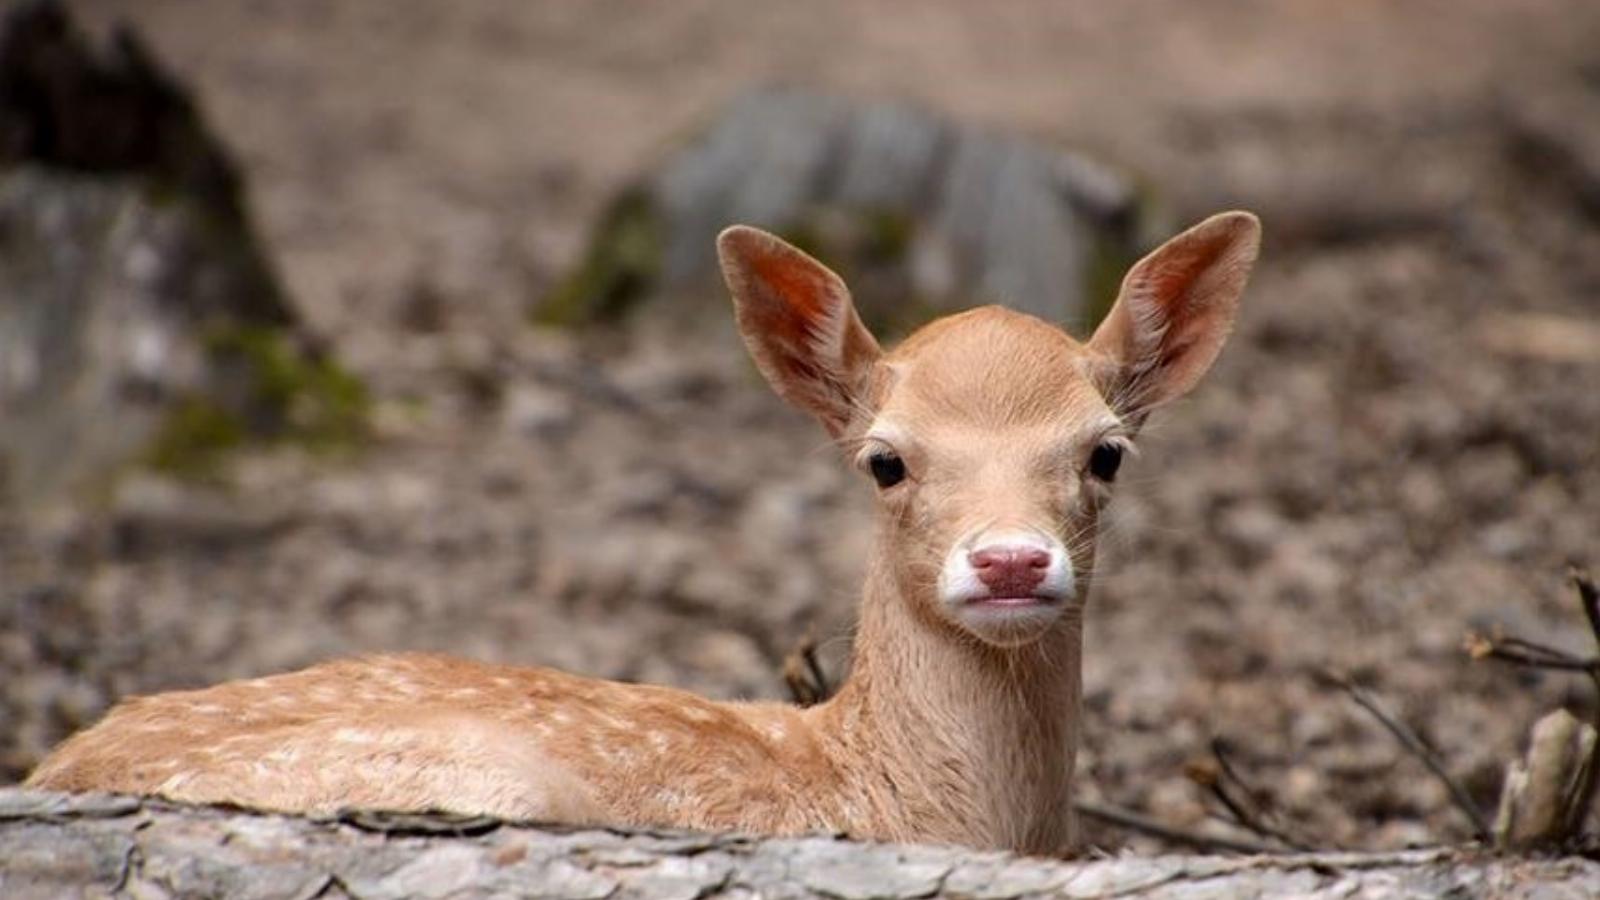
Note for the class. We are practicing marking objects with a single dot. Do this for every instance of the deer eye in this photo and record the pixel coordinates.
(1104, 462)
(888, 469)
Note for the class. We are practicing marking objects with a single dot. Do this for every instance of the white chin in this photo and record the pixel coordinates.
(1009, 622)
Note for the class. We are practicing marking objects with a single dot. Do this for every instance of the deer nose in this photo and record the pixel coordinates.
(1010, 571)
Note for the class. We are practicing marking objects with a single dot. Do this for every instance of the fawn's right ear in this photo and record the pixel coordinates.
(800, 325)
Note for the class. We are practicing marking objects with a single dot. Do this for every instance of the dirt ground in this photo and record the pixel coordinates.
(1399, 445)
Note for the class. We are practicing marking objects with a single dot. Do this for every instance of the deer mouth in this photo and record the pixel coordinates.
(1013, 602)
(1010, 620)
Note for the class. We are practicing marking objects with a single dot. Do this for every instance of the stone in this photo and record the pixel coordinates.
(140, 320)
(920, 214)
(161, 849)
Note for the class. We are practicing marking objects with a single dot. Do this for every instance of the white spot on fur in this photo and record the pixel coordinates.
(673, 799)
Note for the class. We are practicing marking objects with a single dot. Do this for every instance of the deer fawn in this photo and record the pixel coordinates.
(993, 438)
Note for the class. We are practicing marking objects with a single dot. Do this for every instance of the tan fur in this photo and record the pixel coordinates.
(939, 734)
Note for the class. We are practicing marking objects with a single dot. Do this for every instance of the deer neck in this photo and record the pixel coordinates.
(948, 739)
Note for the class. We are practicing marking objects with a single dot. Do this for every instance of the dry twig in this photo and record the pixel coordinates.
(802, 672)
(1529, 654)
(1533, 655)
(1589, 599)
(1413, 743)
(1124, 818)
(1239, 799)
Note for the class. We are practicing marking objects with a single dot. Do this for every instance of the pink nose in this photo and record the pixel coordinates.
(1010, 571)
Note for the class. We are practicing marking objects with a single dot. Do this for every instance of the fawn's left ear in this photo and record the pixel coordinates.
(1174, 312)
(800, 325)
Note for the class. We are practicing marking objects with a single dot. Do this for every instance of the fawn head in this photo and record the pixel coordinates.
(994, 437)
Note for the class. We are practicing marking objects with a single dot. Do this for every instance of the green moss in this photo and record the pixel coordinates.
(305, 398)
(160, 194)
(1109, 260)
(194, 437)
(1115, 249)
(849, 238)
(887, 236)
(807, 234)
(269, 391)
(621, 266)
(869, 248)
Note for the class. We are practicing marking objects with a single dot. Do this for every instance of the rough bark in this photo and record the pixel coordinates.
(54, 845)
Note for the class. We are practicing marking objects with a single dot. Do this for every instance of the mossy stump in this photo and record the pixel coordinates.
(921, 215)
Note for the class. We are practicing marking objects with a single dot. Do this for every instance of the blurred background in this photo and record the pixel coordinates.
(489, 405)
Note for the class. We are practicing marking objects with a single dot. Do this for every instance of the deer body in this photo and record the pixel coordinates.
(993, 438)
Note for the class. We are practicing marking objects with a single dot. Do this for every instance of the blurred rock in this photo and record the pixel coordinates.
(537, 411)
(139, 319)
(70, 106)
(920, 214)
(1555, 137)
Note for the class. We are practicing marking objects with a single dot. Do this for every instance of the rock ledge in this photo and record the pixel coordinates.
(94, 845)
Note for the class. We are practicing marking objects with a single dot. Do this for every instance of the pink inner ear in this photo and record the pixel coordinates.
(797, 319)
(795, 283)
(794, 326)
(1177, 308)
